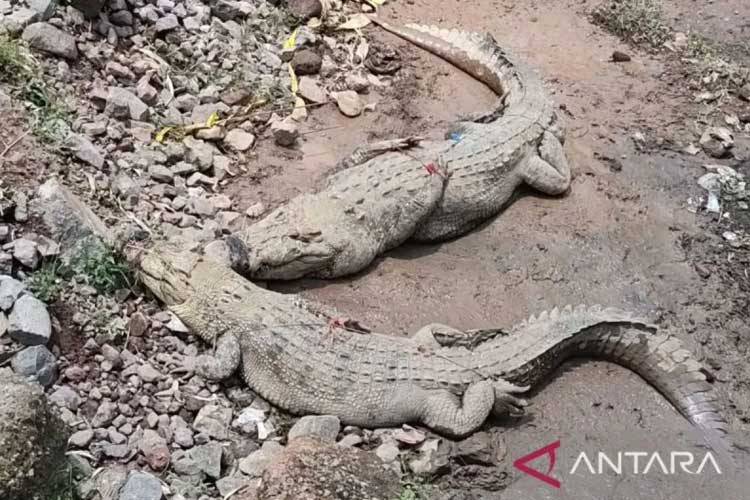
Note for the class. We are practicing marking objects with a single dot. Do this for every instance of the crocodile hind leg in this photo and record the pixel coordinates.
(506, 404)
(223, 363)
(437, 335)
(548, 171)
(370, 151)
(447, 414)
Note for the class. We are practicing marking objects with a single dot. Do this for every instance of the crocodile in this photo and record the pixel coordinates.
(389, 192)
(286, 352)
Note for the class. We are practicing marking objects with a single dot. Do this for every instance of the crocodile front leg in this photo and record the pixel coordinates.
(223, 363)
(548, 171)
(446, 414)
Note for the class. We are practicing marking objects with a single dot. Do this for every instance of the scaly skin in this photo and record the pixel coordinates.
(435, 190)
(286, 353)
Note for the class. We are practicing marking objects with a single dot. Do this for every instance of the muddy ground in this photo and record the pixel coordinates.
(623, 235)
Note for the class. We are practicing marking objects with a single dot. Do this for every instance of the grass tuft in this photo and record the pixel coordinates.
(638, 21)
(46, 283)
(105, 270)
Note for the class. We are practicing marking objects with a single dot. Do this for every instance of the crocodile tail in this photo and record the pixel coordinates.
(478, 55)
(620, 337)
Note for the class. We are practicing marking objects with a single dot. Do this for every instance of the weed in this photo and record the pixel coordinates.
(16, 63)
(637, 21)
(46, 283)
(414, 489)
(105, 270)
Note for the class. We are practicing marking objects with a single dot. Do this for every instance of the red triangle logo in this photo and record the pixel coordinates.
(520, 464)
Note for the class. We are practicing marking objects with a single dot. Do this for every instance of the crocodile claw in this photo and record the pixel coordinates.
(506, 404)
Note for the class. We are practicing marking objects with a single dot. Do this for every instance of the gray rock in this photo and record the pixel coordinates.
(10, 290)
(166, 23)
(29, 322)
(186, 102)
(6, 263)
(89, 8)
(202, 112)
(325, 427)
(311, 91)
(77, 229)
(154, 449)
(305, 9)
(161, 173)
(3, 323)
(21, 212)
(105, 414)
(119, 71)
(388, 452)
(207, 458)
(66, 397)
(45, 8)
(36, 363)
(47, 38)
(239, 140)
(181, 433)
(199, 152)
(17, 20)
(146, 92)
(81, 439)
(32, 438)
(141, 486)
(213, 421)
(285, 132)
(25, 252)
(306, 62)
(124, 104)
(255, 463)
(226, 10)
(349, 103)
(148, 373)
(85, 150)
(227, 485)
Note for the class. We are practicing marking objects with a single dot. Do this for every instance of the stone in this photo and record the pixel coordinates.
(181, 433)
(66, 397)
(138, 324)
(146, 92)
(121, 18)
(49, 39)
(154, 449)
(160, 173)
(207, 458)
(141, 486)
(238, 483)
(387, 452)
(349, 103)
(25, 252)
(305, 9)
(325, 427)
(29, 322)
(213, 421)
(123, 104)
(17, 20)
(255, 463)
(239, 140)
(717, 141)
(119, 71)
(148, 373)
(77, 229)
(226, 10)
(81, 439)
(200, 206)
(32, 438)
(85, 150)
(199, 152)
(21, 212)
(37, 364)
(89, 8)
(105, 414)
(350, 440)
(201, 113)
(309, 90)
(10, 290)
(3, 323)
(166, 23)
(310, 469)
(285, 132)
(306, 62)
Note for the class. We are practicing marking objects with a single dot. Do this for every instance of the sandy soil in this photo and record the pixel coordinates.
(621, 237)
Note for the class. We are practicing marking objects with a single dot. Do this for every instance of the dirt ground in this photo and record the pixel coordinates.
(623, 235)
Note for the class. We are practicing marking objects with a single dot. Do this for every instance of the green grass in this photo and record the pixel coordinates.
(46, 283)
(638, 21)
(105, 270)
(48, 116)
(414, 489)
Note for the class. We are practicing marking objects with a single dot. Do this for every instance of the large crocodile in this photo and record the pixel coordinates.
(421, 190)
(288, 354)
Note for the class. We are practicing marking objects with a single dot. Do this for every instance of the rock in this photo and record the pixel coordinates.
(349, 103)
(47, 38)
(146, 92)
(45, 8)
(33, 441)
(618, 56)
(141, 486)
(717, 141)
(310, 90)
(10, 290)
(285, 132)
(138, 324)
(213, 421)
(227, 10)
(181, 433)
(81, 439)
(89, 8)
(325, 427)
(21, 212)
(305, 9)
(387, 452)
(73, 225)
(148, 373)
(37, 364)
(199, 153)
(309, 469)
(166, 23)
(238, 483)
(255, 463)
(207, 458)
(66, 397)
(154, 449)
(306, 62)
(124, 104)
(239, 140)
(357, 82)
(5, 101)
(119, 71)
(161, 173)
(6, 263)
(85, 150)
(25, 252)
(29, 322)
(480, 448)
(350, 440)
(105, 414)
